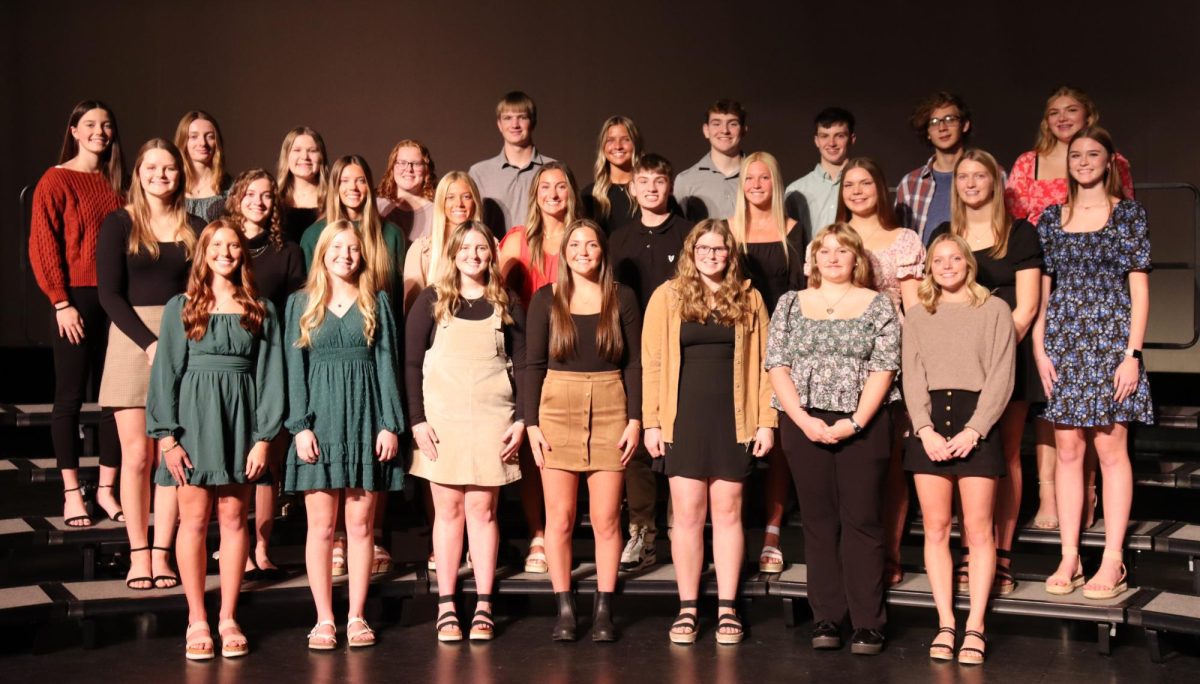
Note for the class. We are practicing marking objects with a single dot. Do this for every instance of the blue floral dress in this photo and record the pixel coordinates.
(1087, 320)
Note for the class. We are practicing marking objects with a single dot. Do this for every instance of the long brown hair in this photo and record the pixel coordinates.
(447, 288)
(233, 205)
(535, 229)
(141, 237)
(200, 298)
(387, 184)
(1001, 221)
(883, 204)
(730, 304)
(610, 343)
(370, 225)
(283, 172)
(219, 178)
(1112, 179)
(1045, 137)
(112, 162)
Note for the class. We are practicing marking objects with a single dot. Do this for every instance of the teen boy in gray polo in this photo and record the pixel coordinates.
(709, 188)
(504, 180)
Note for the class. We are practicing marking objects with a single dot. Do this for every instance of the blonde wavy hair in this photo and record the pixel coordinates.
(929, 292)
(1001, 221)
(730, 304)
(447, 286)
(141, 237)
(1045, 137)
(601, 170)
(737, 223)
(440, 230)
(535, 228)
(283, 172)
(318, 287)
(850, 239)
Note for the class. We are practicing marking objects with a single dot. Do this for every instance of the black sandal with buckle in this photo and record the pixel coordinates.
(119, 516)
(147, 579)
(78, 521)
(168, 581)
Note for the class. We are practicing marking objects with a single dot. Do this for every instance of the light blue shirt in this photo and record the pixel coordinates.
(812, 200)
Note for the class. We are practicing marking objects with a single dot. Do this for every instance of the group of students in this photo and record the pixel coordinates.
(245, 332)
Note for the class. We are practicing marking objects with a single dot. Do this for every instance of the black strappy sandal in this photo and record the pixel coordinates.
(169, 581)
(78, 521)
(729, 620)
(943, 651)
(968, 655)
(688, 620)
(483, 625)
(120, 515)
(147, 579)
(1005, 583)
(448, 618)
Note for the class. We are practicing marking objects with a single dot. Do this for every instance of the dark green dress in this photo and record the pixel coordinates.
(346, 392)
(393, 237)
(217, 396)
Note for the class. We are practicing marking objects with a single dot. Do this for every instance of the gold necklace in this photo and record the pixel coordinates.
(830, 307)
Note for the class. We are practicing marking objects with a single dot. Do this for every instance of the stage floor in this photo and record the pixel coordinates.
(1021, 650)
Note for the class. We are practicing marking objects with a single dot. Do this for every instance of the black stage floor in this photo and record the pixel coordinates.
(1021, 650)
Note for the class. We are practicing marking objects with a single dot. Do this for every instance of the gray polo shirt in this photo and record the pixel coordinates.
(505, 189)
(812, 200)
(702, 191)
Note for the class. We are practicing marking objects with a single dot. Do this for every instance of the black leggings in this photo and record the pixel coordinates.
(74, 365)
(840, 488)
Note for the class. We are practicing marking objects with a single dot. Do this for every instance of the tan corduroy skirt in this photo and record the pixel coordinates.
(126, 367)
(583, 416)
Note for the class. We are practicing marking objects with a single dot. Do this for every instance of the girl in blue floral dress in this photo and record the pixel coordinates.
(1088, 342)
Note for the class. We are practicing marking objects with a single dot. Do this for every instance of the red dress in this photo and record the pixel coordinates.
(523, 277)
(1027, 196)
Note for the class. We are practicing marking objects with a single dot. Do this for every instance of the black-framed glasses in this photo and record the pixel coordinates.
(410, 165)
(949, 120)
(705, 250)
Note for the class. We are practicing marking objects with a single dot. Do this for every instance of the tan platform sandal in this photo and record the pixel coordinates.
(233, 641)
(1100, 592)
(198, 642)
(1057, 586)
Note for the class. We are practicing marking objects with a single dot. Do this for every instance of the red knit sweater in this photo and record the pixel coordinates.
(68, 207)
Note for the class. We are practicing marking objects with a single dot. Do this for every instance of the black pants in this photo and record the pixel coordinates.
(74, 366)
(840, 487)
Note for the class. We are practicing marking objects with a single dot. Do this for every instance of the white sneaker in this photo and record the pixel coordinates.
(640, 551)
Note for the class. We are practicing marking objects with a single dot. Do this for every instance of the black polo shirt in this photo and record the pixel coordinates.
(644, 258)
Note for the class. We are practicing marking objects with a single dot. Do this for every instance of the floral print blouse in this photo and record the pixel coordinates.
(832, 358)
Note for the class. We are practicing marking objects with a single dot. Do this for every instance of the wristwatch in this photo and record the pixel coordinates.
(1134, 354)
(854, 424)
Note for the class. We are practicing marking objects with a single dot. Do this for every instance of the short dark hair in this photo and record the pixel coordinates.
(919, 120)
(829, 116)
(517, 101)
(654, 163)
(727, 106)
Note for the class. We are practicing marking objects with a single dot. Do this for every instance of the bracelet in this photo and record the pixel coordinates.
(169, 449)
(854, 424)
(64, 307)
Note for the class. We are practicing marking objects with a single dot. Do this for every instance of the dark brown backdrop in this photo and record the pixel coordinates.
(369, 73)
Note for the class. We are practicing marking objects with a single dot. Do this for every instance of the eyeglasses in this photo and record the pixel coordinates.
(411, 166)
(949, 120)
(705, 250)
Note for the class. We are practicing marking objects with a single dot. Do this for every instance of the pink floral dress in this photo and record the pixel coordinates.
(904, 258)
(1027, 197)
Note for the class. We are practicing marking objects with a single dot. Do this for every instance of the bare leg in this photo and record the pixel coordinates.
(1046, 517)
(604, 498)
(777, 487)
(233, 506)
(1070, 445)
(561, 488)
(136, 463)
(360, 543)
(532, 503)
(935, 493)
(483, 534)
(729, 540)
(690, 503)
(195, 512)
(1113, 452)
(978, 497)
(322, 505)
(106, 498)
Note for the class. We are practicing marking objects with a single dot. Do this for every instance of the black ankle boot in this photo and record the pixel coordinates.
(564, 629)
(602, 624)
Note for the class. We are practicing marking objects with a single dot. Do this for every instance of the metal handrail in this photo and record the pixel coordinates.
(1193, 265)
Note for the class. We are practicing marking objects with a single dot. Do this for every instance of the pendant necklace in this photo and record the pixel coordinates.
(830, 307)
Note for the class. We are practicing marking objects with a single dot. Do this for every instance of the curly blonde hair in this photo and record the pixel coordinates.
(730, 304)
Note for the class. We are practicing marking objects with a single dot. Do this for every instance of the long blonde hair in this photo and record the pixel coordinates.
(535, 229)
(929, 292)
(737, 223)
(1046, 139)
(447, 288)
(141, 237)
(378, 259)
(318, 288)
(283, 172)
(439, 230)
(602, 173)
(219, 178)
(851, 240)
(1001, 221)
(730, 304)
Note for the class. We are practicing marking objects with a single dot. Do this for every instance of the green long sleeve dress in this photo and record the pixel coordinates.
(217, 396)
(345, 391)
